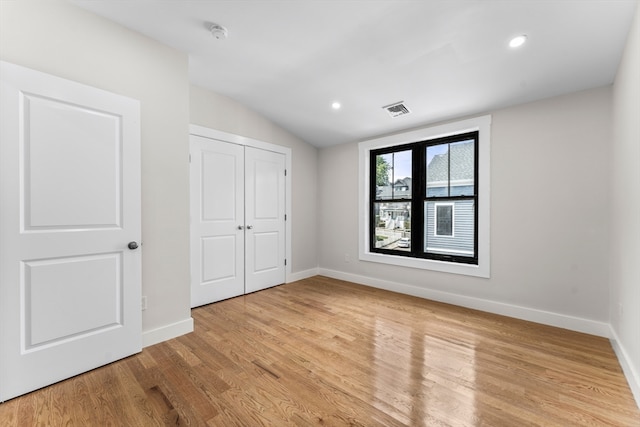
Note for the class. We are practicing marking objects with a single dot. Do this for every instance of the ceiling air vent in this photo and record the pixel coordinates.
(397, 109)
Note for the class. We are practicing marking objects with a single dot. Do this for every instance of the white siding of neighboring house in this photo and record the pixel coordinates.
(463, 229)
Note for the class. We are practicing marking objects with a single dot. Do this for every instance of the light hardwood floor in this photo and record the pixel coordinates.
(326, 352)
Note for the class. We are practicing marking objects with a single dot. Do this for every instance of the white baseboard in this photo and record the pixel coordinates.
(299, 275)
(630, 371)
(182, 327)
(587, 326)
(167, 332)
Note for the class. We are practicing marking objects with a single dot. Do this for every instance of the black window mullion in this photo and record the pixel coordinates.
(448, 170)
(393, 178)
(476, 184)
(372, 198)
(418, 190)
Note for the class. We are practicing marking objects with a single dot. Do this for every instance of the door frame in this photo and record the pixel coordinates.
(255, 143)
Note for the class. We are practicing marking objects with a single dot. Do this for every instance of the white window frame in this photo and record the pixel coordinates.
(481, 124)
(453, 219)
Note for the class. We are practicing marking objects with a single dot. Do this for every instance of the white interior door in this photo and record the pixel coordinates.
(237, 219)
(217, 220)
(264, 209)
(70, 196)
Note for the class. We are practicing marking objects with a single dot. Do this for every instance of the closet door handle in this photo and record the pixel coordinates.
(249, 227)
(240, 227)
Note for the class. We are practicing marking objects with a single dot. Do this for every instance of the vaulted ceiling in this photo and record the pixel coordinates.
(291, 60)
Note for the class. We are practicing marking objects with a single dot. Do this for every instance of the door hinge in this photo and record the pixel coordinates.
(285, 262)
(285, 172)
(285, 217)
(189, 158)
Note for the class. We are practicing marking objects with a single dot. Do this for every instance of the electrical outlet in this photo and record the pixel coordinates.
(144, 303)
(347, 258)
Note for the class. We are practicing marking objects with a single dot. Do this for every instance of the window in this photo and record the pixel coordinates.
(444, 219)
(424, 198)
(425, 192)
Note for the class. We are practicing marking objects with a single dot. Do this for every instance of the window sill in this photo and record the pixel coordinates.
(428, 264)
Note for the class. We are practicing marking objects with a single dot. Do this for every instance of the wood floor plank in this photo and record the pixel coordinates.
(327, 352)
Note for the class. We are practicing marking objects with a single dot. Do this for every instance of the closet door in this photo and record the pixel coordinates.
(217, 220)
(237, 220)
(265, 220)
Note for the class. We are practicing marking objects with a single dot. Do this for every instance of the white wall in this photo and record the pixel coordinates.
(549, 218)
(625, 210)
(219, 112)
(60, 39)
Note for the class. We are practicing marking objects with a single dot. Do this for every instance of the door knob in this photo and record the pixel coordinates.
(249, 227)
(240, 227)
(132, 245)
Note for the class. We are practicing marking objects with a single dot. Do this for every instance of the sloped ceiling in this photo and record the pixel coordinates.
(290, 60)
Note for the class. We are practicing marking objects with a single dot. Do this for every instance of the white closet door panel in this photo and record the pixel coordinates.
(264, 210)
(219, 257)
(221, 173)
(264, 256)
(267, 177)
(217, 222)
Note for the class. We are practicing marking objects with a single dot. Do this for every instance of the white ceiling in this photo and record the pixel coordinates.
(289, 60)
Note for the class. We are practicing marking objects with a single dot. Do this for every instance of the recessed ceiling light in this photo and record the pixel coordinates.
(336, 105)
(518, 41)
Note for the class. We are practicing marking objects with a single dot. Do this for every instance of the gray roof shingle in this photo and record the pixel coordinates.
(461, 154)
